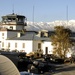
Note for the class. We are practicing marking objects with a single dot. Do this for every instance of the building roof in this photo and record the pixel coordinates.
(13, 15)
(30, 36)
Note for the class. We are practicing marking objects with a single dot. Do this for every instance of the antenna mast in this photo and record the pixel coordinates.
(13, 9)
(33, 21)
(33, 15)
(33, 27)
(67, 14)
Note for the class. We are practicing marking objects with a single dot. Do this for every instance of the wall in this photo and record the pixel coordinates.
(35, 43)
(15, 27)
(28, 45)
(47, 44)
(5, 35)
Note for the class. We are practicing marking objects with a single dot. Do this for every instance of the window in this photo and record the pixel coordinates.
(2, 34)
(46, 50)
(42, 34)
(2, 44)
(9, 19)
(2, 37)
(39, 45)
(23, 45)
(8, 44)
(11, 27)
(15, 45)
(13, 19)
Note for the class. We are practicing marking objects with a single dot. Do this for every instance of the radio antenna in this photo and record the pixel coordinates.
(33, 27)
(13, 9)
(67, 14)
(33, 15)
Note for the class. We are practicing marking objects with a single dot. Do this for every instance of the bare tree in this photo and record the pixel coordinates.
(61, 41)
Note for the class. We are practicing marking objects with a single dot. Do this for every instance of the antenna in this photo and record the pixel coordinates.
(67, 14)
(33, 15)
(33, 21)
(33, 27)
(13, 9)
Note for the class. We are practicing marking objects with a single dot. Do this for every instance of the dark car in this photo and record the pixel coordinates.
(53, 59)
(23, 63)
(41, 66)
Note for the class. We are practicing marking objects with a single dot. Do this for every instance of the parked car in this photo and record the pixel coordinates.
(41, 66)
(23, 63)
(53, 59)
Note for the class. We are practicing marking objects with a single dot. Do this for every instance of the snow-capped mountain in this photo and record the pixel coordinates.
(50, 25)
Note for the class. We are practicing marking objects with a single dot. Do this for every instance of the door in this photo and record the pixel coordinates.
(46, 50)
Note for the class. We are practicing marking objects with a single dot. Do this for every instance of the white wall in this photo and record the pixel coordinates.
(47, 44)
(3, 37)
(15, 27)
(28, 45)
(8, 26)
(7, 34)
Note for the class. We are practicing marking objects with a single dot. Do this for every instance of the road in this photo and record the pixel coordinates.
(65, 69)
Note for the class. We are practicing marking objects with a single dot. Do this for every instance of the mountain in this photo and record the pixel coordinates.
(50, 25)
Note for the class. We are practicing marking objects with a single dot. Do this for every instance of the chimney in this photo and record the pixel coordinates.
(18, 34)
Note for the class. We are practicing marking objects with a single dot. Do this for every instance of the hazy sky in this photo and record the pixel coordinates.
(44, 10)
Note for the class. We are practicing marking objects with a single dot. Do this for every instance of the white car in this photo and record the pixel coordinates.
(27, 73)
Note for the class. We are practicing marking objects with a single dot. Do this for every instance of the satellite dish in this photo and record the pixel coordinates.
(7, 67)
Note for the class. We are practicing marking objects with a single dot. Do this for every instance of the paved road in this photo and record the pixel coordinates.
(65, 69)
(62, 69)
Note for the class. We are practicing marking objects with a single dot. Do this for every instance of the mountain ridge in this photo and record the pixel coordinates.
(36, 26)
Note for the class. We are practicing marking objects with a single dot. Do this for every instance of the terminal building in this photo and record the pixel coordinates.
(14, 36)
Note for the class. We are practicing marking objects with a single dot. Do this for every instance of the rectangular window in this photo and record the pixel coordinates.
(23, 45)
(15, 45)
(8, 44)
(2, 34)
(2, 44)
(2, 37)
(39, 45)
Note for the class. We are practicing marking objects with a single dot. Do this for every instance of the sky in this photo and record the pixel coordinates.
(42, 10)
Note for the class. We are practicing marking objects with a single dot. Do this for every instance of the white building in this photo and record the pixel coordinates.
(13, 36)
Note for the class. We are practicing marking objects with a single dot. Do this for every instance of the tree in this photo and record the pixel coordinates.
(61, 41)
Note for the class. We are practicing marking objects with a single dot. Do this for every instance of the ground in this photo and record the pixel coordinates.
(62, 69)
(65, 69)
